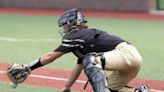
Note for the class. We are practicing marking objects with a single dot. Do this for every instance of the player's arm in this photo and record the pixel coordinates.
(75, 74)
(17, 73)
(45, 59)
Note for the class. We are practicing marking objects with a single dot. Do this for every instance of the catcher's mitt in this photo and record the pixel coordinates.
(17, 73)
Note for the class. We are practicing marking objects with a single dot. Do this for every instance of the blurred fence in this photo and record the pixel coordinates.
(103, 5)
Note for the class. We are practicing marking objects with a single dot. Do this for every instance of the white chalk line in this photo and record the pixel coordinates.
(55, 78)
(11, 39)
(65, 79)
(48, 77)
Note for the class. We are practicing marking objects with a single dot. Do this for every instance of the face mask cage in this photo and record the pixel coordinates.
(60, 31)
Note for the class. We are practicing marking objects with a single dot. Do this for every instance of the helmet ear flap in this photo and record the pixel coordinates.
(80, 18)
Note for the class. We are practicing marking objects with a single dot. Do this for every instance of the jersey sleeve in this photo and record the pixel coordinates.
(64, 49)
(70, 43)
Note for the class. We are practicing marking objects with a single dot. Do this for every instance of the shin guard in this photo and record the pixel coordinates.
(95, 74)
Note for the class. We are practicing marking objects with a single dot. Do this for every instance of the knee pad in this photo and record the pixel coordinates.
(95, 75)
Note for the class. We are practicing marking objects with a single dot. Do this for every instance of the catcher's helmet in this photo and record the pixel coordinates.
(71, 17)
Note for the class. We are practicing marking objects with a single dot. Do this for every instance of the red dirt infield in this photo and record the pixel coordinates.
(57, 78)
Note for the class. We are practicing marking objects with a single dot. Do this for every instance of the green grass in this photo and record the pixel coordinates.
(147, 36)
(5, 87)
(20, 26)
(161, 4)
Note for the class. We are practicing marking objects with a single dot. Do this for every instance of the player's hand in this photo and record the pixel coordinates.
(66, 89)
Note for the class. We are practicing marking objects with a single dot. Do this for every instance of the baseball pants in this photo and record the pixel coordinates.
(124, 62)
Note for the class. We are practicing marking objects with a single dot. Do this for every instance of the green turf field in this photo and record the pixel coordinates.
(161, 4)
(5, 87)
(24, 38)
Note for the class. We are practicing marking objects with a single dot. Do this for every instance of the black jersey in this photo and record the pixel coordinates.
(84, 41)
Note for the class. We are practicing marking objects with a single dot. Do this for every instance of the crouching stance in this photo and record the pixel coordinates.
(118, 56)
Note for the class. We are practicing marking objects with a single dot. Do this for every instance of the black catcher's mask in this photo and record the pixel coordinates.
(71, 17)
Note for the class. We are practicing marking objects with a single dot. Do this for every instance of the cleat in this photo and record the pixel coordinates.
(143, 88)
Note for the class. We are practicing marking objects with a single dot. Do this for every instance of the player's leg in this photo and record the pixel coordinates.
(118, 81)
(125, 63)
(95, 74)
(125, 56)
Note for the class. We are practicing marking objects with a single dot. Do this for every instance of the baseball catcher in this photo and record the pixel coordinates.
(96, 51)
